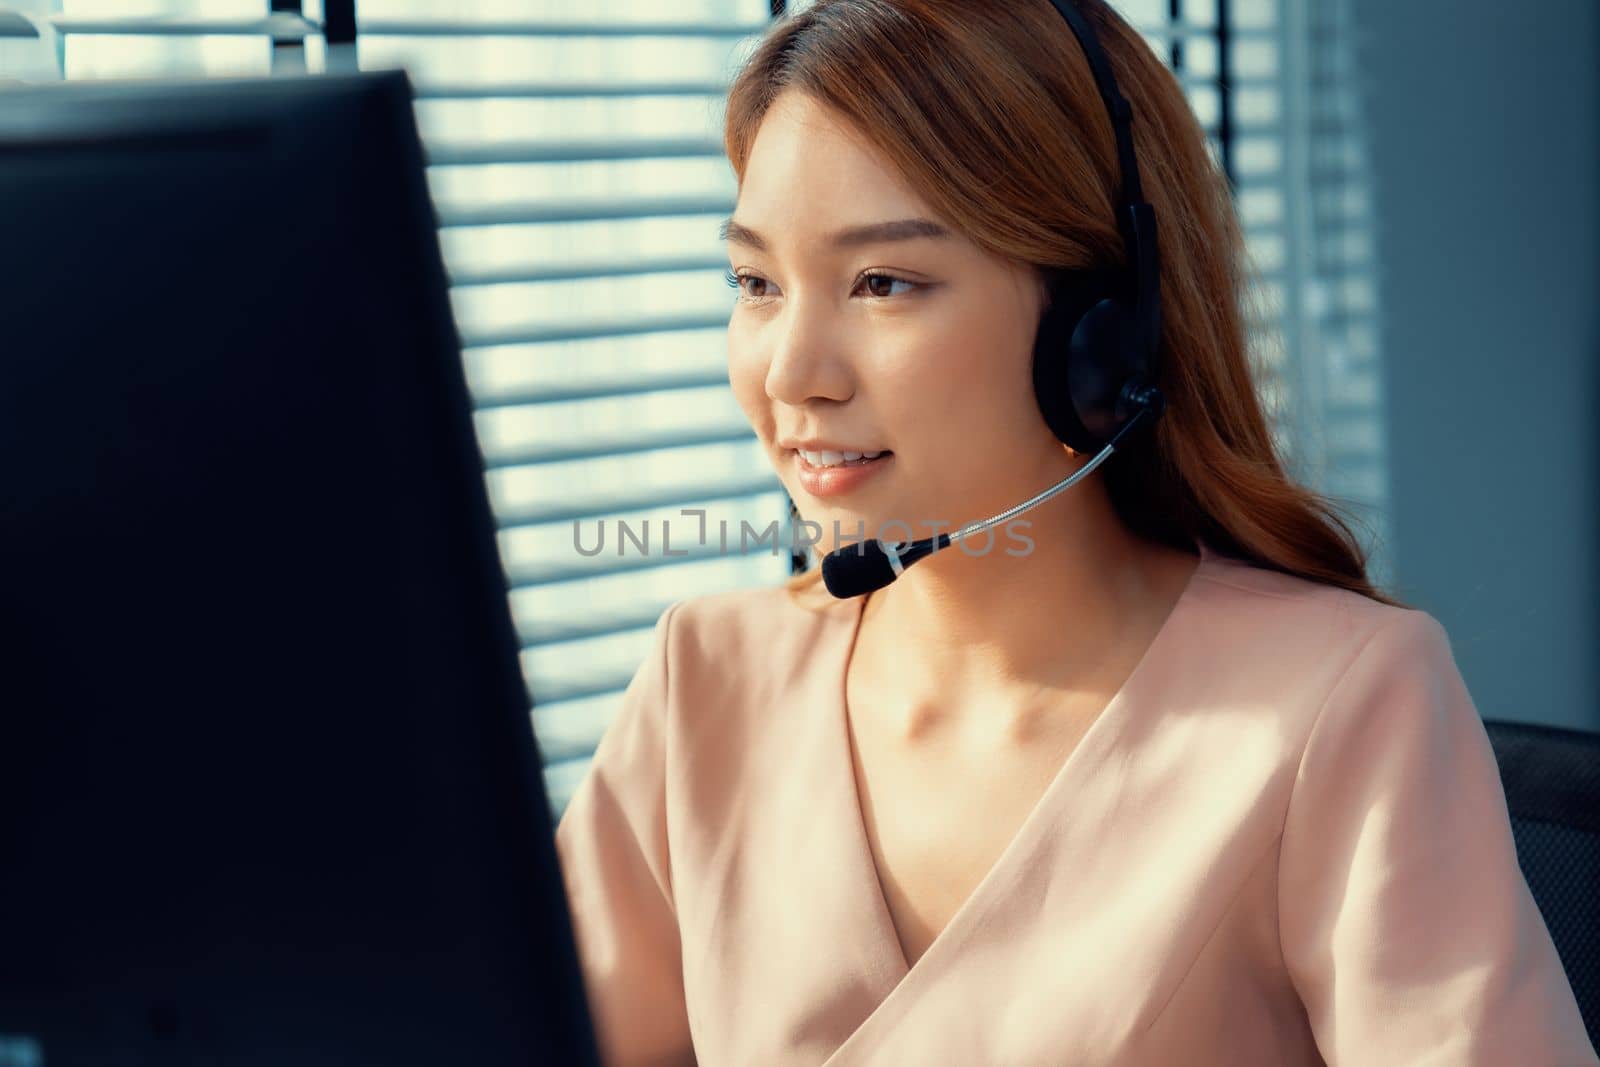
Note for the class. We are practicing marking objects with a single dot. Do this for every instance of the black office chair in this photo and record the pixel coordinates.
(1552, 783)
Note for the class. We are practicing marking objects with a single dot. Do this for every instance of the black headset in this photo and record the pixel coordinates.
(1095, 356)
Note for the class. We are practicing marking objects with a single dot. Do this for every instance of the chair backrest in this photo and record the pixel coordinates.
(1552, 782)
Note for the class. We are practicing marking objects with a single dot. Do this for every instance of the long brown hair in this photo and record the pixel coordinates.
(989, 110)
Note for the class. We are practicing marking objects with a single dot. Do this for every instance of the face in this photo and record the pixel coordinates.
(908, 338)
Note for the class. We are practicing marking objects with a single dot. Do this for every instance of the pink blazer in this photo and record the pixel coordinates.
(1284, 842)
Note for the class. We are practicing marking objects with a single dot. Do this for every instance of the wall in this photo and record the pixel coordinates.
(1484, 127)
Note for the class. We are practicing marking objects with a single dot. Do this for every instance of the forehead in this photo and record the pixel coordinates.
(810, 171)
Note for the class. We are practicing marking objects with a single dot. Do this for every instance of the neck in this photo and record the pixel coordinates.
(964, 627)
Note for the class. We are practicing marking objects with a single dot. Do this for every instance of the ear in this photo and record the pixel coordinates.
(1047, 278)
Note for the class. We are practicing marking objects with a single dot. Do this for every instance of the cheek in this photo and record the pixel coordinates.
(994, 352)
(964, 405)
(972, 374)
(747, 375)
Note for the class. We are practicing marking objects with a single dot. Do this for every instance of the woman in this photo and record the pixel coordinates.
(1160, 779)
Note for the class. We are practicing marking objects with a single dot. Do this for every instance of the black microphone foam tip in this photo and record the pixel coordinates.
(866, 566)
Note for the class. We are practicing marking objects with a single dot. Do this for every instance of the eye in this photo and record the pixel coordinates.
(737, 282)
(890, 280)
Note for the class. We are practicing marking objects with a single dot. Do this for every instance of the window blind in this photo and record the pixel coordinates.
(1275, 84)
(576, 165)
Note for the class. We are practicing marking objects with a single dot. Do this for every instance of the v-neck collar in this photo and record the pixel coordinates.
(1103, 734)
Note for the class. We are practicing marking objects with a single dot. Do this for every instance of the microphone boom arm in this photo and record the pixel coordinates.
(1061, 486)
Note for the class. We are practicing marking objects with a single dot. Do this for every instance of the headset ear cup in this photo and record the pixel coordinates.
(1102, 357)
(1052, 359)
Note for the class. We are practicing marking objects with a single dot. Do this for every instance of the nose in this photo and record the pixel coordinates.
(808, 359)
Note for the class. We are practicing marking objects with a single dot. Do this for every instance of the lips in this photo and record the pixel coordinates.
(842, 478)
(858, 462)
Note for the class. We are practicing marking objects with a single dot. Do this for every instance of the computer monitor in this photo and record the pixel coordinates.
(269, 790)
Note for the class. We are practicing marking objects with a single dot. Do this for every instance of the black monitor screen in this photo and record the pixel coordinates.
(269, 791)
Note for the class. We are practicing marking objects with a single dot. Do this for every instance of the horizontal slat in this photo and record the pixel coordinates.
(591, 624)
(582, 331)
(610, 681)
(382, 27)
(13, 24)
(561, 780)
(727, 488)
(283, 25)
(594, 446)
(542, 90)
(516, 213)
(608, 563)
(558, 747)
(1190, 80)
(1266, 230)
(1253, 128)
(483, 152)
(561, 392)
(572, 270)
(1183, 30)
(572, 729)
(1347, 318)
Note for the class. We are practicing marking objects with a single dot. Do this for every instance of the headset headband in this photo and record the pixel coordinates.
(1116, 104)
(1135, 218)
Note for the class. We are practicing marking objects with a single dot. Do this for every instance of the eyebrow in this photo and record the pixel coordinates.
(871, 233)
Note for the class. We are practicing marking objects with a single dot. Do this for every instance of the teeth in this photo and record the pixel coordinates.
(833, 459)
